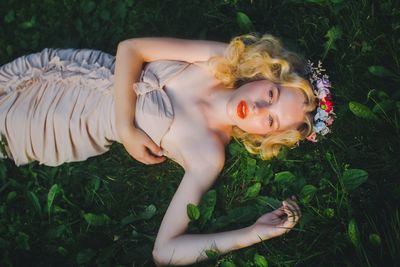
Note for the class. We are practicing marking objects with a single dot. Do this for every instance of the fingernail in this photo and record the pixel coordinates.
(160, 153)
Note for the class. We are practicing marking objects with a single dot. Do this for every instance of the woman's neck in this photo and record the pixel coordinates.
(214, 105)
(215, 110)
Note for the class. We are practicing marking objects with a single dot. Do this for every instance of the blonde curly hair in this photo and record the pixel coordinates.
(250, 58)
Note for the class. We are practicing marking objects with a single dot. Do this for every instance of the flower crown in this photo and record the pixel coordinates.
(324, 117)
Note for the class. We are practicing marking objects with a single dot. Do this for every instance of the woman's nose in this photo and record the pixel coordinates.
(260, 107)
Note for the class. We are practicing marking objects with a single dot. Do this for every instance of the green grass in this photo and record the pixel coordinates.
(106, 211)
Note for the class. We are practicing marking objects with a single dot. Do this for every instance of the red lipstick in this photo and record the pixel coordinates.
(242, 109)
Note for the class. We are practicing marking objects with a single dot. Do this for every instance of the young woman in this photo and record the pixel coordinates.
(64, 105)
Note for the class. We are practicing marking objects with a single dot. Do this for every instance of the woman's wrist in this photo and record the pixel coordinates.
(125, 131)
(257, 234)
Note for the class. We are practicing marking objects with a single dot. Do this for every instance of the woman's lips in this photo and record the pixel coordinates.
(242, 109)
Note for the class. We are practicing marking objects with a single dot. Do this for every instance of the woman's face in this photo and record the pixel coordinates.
(262, 107)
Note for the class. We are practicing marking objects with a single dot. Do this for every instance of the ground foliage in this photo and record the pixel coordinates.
(106, 211)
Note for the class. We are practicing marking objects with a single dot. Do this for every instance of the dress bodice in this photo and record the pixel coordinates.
(154, 112)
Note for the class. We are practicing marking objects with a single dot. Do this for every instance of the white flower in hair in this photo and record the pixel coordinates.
(319, 126)
(321, 115)
(325, 130)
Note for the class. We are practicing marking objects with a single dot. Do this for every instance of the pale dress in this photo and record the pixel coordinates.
(57, 105)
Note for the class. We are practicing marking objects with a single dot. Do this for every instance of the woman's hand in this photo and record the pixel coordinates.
(140, 146)
(277, 222)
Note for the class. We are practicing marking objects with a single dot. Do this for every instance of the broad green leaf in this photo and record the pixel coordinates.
(148, 213)
(11, 196)
(235, 216)
(29, 23)
(353, 178)
(362, 111)
(244, 22)
(128, 219)
(307, 193)
(23, 241)
(250, 166)
(94, 184)
(381, 71)
(285, 178)
(333, 34)
(207, 206)
(270, 202)
(35, 202)
(96, 219)
(352, 231)
(260, 260)
(54, 190)
(375, 240)
(329, 212)
(211, 253)
(236, 149)
(253, 190)
(193, 212)
(264, 173)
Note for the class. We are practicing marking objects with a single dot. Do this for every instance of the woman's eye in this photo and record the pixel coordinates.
(270, 121)
(271, 95)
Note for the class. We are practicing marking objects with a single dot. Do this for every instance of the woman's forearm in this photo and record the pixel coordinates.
(128, 66)
(173, 246)
(188, 248)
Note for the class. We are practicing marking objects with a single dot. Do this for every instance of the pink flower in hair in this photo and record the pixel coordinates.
(312, 137)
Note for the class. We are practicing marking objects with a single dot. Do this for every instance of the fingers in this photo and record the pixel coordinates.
(153, 154)
(293, 202)
(289, 210)
(293, 212)
(156, 150)
(149, 158)
(145, 156)
(279, 212)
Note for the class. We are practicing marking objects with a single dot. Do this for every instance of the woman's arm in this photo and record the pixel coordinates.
(162, 48)
(174, 247)
(130, 56)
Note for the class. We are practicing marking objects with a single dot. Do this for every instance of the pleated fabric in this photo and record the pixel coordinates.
(57, 105)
